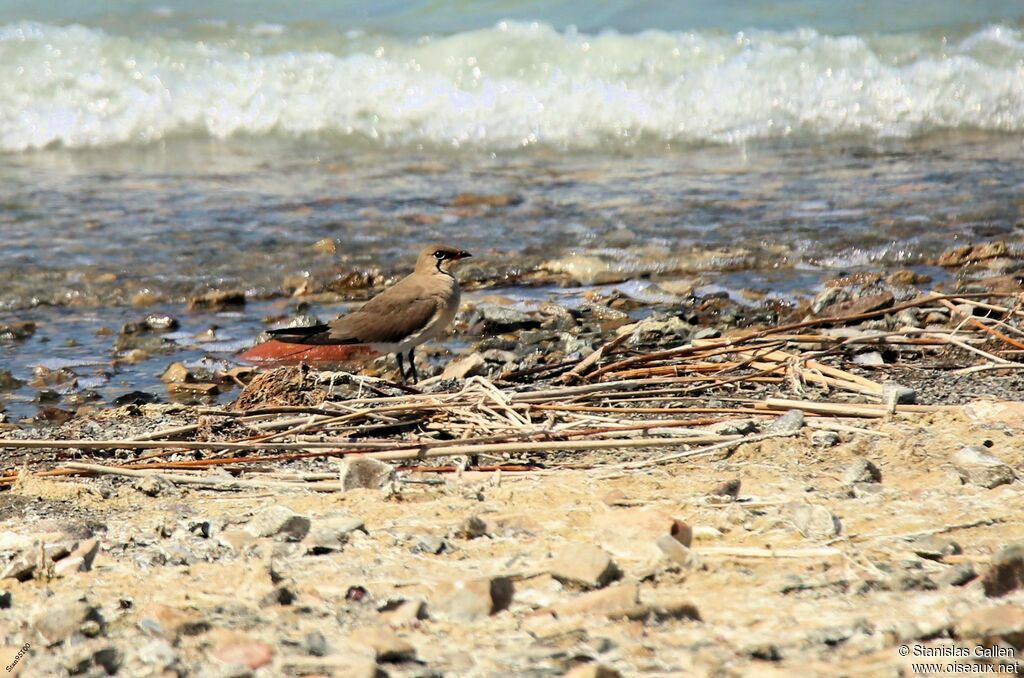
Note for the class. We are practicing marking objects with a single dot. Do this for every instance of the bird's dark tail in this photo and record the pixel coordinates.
(312, 335)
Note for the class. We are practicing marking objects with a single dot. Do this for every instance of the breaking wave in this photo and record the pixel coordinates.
(516, 84)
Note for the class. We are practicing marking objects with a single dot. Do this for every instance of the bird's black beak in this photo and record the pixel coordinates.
(461, 254)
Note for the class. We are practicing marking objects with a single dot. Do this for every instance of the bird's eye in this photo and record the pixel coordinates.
(439, 254)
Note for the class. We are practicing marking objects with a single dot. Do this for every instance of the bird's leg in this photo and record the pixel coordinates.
(412, 365)
(401, 365)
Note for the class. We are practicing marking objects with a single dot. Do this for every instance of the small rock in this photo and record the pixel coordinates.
(79, 560)
(592, 670)
(429, 543)
(613, 601)
(170, 622)
(957, 575)
(386, 646)
(897, 394)
(676, 552)
(281, 595)
(331, 534)
(315, 644)
(281, 521)
(978, 466)
(8, 382)
(864, 304)
(584, 565)
(814, 521)
(869, 359)
(158, 653)
(729, 489)
(135, 398)
(59, 620)
(861, 470)
(468, 366)
(1006, 571)
(473, 527)
(501, 319)
(217, 300)
(365, 473)
(326, 246)
(17, 331)
(468, 600)
(935, 547)
(707, 333)
(789, 423)
(153, 486)
(1000, 624)
(822, 438)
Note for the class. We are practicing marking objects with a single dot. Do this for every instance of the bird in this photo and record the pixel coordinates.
(416, 309)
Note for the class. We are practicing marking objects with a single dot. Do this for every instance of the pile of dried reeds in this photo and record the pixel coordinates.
(613, 399)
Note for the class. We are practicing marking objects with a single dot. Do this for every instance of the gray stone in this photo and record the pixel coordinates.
(977, 466)
(824, 438)
(869, 359)
(897, 394)
(502, 319)
(429, 543)
(473, 527)
(366, 473)
(279, 521)
(957, 575)
(1006, 571)
(786, 424)
(861, 470)
(584, 565)
(814, 521)
(331, 533)
(935, 547)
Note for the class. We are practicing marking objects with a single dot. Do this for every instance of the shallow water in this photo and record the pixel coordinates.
(150, 151)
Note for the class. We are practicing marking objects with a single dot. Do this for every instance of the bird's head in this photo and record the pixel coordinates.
(441, 258)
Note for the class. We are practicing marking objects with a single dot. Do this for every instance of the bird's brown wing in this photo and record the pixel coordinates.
(386, 319)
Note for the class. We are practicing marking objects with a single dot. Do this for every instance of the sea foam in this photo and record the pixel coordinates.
(512, 85)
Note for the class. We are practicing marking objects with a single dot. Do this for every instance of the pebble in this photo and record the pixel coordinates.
(502, 319)
(468, 366)
(869, 359)
(935, 547)
(861, 470)
(469, 600)
(429, 543)
(315, 644)
(79, 560)
(822, 438)
(787, 424)
(584, 565)
(729, 489)
(897, 394)
(365, 473)
(1005, 572)
(814, 521)
(280, 521)
(473, 527)
(978, 466)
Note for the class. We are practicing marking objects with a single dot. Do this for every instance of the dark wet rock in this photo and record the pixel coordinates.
(136, 398)
(492, 319)
(1005, 572)
(861, 470)
(217, 300)
(978, 466)
(8, 382)
(864, 304)
(17, 331)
